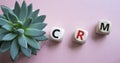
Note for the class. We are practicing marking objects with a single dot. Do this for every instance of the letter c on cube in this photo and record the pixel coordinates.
(57, 33)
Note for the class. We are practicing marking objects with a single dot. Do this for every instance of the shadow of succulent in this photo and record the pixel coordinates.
(21, 30)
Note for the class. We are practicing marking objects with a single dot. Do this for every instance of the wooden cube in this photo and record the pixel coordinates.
(103, 27)
(57, 33)
(80, 35)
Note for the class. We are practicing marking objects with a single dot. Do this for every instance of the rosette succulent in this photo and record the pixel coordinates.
(21, 30)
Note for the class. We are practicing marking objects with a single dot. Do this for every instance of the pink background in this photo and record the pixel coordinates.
(70, 14)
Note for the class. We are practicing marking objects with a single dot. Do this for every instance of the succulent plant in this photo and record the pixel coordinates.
(21, 30)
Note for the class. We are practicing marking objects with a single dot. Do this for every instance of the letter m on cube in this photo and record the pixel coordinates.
(103, 27)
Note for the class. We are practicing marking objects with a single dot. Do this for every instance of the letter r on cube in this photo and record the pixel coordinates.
(80, 35)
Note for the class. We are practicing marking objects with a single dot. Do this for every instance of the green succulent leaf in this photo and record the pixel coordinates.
(20, 23)
(14, 50)
(33, 43)
(39, 26)
(7, 27)
(13, 17)
(22, 41)
(16, 8)
(3, 21)
(0, 44)
(1, 36)
(23, 12)
(26, 51)
(40, 19)
(29, 10)
(9, 36)
(34, 51)
(28, 22)
(6, 10)
(41, 38)
(1, 16)
(34, 32)
(2, 30)
(34, 14)
(5, 46)
(20, 31)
